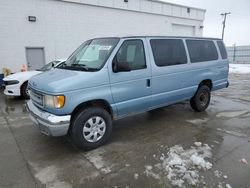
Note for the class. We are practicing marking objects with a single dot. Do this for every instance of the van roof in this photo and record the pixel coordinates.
(155, 36)
(186, 37)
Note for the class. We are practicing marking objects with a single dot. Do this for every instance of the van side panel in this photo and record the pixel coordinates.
(216, 71)
(171, 84)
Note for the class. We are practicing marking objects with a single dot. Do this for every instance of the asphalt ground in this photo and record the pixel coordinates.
(30, 159)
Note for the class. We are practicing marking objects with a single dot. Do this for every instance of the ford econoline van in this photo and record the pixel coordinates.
(110, 78)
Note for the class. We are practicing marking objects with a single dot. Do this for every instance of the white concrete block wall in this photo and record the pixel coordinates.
(62, 26)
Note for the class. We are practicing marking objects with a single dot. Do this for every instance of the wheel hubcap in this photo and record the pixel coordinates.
(94, 129)
(203, 99)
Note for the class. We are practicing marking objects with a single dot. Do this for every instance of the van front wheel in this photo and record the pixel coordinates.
(200, 101)
(91, 128)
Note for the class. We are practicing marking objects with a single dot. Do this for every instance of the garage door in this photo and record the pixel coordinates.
(183, 30)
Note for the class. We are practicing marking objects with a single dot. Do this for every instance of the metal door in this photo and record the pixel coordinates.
(35, 58)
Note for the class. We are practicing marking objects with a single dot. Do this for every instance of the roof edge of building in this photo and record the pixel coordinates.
(141, 11)
(178, 5)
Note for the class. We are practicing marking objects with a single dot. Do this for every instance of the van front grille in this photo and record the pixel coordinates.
(36, 97)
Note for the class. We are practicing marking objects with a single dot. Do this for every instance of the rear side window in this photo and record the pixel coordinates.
(168, 52)
(223, 50)
(201, 50)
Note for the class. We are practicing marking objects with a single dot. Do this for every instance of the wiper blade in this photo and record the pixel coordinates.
(80, 65)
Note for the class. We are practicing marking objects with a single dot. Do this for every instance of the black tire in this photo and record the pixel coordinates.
(24, 90)
(80, 121)
(200, 101)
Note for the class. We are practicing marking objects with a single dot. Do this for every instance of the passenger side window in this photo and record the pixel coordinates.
(223, 50)
(168, 52)
(132, 52)
(201, 50)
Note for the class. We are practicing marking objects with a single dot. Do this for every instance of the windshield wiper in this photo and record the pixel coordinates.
(80, 65)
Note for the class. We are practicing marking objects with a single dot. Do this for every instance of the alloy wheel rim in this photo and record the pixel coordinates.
(94, 129)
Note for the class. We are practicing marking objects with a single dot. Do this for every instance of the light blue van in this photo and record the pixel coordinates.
(110, 78)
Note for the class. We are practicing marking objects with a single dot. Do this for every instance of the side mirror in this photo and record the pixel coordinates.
(120, 66)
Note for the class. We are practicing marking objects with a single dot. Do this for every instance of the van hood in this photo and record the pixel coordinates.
(62, 80)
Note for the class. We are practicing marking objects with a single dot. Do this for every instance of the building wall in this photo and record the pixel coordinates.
(62, 26)
(239, 54)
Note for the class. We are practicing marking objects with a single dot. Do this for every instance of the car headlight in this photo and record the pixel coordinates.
(54, 101)
(11, 82)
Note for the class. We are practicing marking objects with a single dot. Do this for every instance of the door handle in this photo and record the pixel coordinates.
(148, 83)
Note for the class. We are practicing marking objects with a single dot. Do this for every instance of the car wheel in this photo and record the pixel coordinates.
(91, 128)
(200, 101)
(24, 91)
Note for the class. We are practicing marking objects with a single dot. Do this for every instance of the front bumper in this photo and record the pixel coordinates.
(49, 124)
(12, 90)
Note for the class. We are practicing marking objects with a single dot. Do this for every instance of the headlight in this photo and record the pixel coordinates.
(54, 101)
(11, 82)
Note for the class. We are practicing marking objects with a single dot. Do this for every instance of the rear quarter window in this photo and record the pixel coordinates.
(223, 50)
(202, 50)
(168, 52)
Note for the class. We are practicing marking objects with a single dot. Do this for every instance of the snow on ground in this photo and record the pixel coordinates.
(182, 167)
(239, 68)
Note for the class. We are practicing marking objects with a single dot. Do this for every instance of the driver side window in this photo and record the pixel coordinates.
(132, 52)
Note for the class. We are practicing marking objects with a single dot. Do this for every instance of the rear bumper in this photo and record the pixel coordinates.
(227, 84)
(49, 124)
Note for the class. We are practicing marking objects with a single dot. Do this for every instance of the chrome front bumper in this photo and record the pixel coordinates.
(49, 124)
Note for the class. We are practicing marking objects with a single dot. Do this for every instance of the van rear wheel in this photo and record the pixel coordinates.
(200, 101)
(91, 128)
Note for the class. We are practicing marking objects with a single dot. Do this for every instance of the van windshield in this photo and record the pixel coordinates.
(91, 55)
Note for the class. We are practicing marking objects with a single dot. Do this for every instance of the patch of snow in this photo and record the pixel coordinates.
(225, 177)
(148, 167)
(136, 176)
(228, 186)
(246, 115)
(232, 114)
(95, 157)
(183, 166)
(216, 142)
(200, 162)
(244, 161)
(59, 185)
(127, 165)
(239, 68)
(217, 173)
(220, 185)
(234, 133)
(198, 144)
(198, 121)
(150, 173)
(48, 176)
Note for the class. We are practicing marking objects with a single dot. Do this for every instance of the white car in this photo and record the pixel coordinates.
(16, 84)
